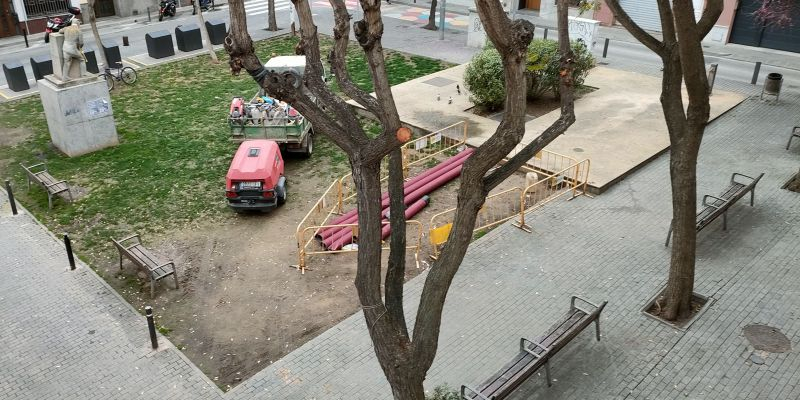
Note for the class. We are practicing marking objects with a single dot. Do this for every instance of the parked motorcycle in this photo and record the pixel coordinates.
(205, 5)
(166, 8)
(55, 24)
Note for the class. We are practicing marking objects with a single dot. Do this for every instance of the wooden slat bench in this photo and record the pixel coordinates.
(131, 247)
(38, 173)
(719, 205)
(533, 354)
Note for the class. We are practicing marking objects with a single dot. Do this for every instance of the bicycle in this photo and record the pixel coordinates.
(125, 74)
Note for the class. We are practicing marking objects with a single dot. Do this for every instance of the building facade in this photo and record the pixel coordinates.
(735, 25)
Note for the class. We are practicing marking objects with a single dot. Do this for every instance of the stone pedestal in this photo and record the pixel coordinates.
(476, 37)
(79, 114)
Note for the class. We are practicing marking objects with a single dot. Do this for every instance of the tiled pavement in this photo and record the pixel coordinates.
(67, 335)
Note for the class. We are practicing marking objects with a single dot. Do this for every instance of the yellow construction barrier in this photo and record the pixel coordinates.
(426, 147)
(569, 180)
(311, 246)
(498, 208)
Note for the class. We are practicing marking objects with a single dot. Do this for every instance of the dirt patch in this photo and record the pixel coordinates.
(240, 306)
(656, 310)
(793, 183)
(534, 108)
(14, 136)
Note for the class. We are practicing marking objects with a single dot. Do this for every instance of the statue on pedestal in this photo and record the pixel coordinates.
(73, 50)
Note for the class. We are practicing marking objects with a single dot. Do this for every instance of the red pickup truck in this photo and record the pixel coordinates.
(255, 178)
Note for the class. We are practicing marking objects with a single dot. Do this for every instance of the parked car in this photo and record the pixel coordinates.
(255, 178)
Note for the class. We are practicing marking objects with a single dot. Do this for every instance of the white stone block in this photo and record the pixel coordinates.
(79, 114)
(476, 36)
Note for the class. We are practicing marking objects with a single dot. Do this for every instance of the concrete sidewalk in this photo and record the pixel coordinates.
(633, 129)
(69, 335)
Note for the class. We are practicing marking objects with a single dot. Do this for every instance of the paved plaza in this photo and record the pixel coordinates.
(68, 335)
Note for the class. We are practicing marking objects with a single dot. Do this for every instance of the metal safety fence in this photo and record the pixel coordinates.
(429, 146)
(498, 208)
(313, 247)
(516, 202)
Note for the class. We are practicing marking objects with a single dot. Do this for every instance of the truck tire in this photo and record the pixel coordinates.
(309, 148)
(280, 191)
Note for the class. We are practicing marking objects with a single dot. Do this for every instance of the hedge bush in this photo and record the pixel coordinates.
(484, 75)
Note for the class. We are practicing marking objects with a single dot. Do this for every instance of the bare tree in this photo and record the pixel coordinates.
(432, 17)
(404, 356)
(682, 55)
(204, 32)
(273, 23)
(779, 13)
(97, 42)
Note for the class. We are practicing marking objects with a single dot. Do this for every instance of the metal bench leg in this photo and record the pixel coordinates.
(597, 328)
(174, 275)
(752, 196)
(49, 200)
(120, 261)
(669, 234)
(547, 372)
(790, 141)
(152, 288)
(725, 221)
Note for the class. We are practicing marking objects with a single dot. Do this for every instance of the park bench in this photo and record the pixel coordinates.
(718, 205)
(38, 173)
(131, 247)
(795, 134)
(533, 354)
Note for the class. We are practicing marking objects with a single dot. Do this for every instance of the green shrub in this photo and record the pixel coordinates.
(542, 72)
(484, 75)
(484, 79)
(443, 392)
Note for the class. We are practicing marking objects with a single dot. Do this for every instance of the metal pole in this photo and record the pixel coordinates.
(25, 35)
(70, 256)
(11, 198)
(148, 14)
(545, 33)
(755, 73)
(605, 48)
(151, 326)
(441, 19)
(712, 76)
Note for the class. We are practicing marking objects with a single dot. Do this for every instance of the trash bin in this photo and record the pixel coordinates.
(772, 85)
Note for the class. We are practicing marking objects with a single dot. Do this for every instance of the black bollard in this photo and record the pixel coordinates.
(11, 198)
(148, 15)
(605, 48)
(70, 256)
(755, 73)
(25, 35)
(545, 33)
(151, 326)
(125, 41)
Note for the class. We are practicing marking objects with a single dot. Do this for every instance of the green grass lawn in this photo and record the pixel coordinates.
(170, 165)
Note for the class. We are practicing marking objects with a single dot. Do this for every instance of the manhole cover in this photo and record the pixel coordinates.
(439, 81)
(578, 150)
(767, 338)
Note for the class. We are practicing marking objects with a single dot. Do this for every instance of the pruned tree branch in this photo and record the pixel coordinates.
(709, 17)
(337, 59)
(640, 34)
(667, 23)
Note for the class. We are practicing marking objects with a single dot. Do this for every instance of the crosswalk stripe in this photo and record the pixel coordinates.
(266, 11)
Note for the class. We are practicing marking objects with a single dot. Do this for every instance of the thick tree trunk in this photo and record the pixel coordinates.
(431, 25)
(680, 284)
(273, 22)
(97, 42)
(204, 33)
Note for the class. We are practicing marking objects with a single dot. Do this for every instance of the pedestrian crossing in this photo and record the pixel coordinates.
(258, 7)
